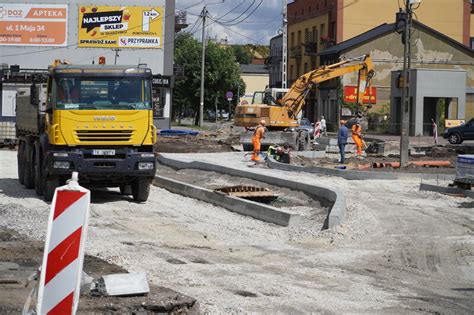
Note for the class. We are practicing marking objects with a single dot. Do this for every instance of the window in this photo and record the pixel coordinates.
(292, 40)
(309, 9)
(291, 71)
(102, 93)
(305, 67)
(306, 35)
(472, 42)
(302, 11)
(299, 38)
(298, 66)
(322, 29)
(315, 35)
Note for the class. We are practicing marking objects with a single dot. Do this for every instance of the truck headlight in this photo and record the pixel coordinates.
(147, 155)
(145, 165)
(61, 164)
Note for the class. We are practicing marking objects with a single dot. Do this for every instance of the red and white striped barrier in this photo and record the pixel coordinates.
(61, 271)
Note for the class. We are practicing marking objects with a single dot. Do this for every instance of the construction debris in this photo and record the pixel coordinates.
(125, 284)
(249, 192)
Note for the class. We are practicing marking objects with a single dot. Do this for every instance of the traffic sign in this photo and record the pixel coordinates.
(229, 95)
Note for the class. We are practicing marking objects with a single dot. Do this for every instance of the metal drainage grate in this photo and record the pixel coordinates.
(253, 193)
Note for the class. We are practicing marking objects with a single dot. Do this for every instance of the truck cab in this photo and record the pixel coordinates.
(97, 120)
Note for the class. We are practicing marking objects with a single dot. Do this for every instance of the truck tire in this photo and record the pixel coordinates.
(21, 162)
(303, 141)
(38, 169)
(141, 189)
(28, 166)
(126, 190)
(49, 187)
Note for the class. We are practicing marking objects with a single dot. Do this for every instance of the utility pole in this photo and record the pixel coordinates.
(284, 60)
(203, 60)
(405, 100)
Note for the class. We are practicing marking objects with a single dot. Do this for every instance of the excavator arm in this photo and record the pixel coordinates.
(294, 99)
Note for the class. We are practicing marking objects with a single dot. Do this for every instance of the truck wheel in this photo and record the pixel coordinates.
(141, 189)
(126, 190)
(38, 168)
(28, 166)
(49, 187)
(21, 162)
(455, 138)
(303, 141)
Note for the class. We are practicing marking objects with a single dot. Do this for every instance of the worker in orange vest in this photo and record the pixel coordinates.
(357, 137)
(257, 137)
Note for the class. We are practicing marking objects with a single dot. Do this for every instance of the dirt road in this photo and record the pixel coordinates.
(399, 250)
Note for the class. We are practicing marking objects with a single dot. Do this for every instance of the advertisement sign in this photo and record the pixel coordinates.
(449, 123)
(120, 27)
(350, 95)
(33, 24)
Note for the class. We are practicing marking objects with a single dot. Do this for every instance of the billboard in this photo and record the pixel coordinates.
(120, 26)
(33, 24)
(350, 95)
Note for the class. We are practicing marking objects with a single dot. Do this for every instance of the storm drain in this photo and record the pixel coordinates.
(258, 194)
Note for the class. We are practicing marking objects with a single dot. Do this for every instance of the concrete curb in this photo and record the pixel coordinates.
(239, 205)
(334, 199)
(354, 174)
(447, 190)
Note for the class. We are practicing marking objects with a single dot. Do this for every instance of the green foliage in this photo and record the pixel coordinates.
(222, 74)
(241, 54)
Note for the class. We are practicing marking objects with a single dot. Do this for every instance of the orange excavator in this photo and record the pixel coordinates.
(281, 108)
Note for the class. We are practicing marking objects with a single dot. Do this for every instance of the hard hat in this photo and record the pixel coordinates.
(262, 122)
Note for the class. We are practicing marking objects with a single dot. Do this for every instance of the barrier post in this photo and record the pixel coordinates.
(61, 270)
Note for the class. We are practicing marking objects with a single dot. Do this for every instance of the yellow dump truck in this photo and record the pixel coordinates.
(96, 120)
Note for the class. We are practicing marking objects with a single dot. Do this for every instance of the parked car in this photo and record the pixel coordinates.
(306, 124)
(456, 135)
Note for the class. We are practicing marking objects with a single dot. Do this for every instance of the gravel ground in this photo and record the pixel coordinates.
(399, 249)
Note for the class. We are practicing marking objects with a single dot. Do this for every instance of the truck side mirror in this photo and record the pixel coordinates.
(34, 95)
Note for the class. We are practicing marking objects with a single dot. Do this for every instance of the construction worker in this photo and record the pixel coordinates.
(357, 137)
(258, 135)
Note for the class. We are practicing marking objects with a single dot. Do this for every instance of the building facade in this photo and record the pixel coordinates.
(256, 79)
(274, 61)
(36, 33)
(430, 50)
(314, 25)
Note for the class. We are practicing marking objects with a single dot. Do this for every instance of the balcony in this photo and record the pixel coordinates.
(296, 52)
(327, 41)
(310, 48)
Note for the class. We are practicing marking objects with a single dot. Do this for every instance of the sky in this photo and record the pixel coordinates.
(240, 21)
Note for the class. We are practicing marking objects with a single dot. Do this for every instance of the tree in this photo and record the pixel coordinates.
(222, 74)
(241, 54)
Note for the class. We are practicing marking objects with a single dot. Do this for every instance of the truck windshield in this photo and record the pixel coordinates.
(103, 93)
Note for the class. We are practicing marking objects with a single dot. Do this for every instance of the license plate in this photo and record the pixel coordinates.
(103, 152)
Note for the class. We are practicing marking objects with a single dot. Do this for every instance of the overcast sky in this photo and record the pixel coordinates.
(241, 21)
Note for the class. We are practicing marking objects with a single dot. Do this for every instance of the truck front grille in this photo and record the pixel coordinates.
(103, 135)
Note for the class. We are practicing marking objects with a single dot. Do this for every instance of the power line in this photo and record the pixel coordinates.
(249, 15)
(240, 34)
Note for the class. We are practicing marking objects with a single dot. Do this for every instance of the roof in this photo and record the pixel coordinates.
(256, 69)
(385, 29)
